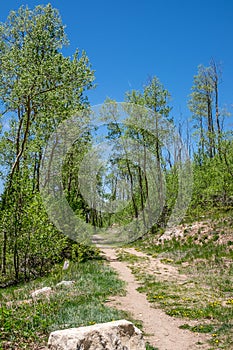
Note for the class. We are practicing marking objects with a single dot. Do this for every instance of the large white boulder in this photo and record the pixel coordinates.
(116, 335)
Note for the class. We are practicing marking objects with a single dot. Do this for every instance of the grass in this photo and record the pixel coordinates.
(149, 347)
(24, 325)
(122, 255)
(207, 294)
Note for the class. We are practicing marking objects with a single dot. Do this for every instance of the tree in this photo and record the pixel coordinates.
(131, 160)
(155, 97)
(216, 75)
(203, 104)
(212, 160)
(39, 88)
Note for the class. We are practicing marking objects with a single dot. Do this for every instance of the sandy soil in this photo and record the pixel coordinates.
(161, 330)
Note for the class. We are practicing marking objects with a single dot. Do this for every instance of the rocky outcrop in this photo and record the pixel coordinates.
(116, 335)
(46, 291)
(65, 284)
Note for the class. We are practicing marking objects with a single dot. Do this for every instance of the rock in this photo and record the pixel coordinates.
(116, 335)
(66, 265)
(46, 291)
(65, 284)
(17, 302)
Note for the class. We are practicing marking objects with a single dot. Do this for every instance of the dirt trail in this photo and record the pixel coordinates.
(161, 330)
(155, 267)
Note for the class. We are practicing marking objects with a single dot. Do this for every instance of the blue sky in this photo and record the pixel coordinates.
(129, 40)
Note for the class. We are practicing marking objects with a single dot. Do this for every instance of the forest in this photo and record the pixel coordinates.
(156, 188)
(40, 89)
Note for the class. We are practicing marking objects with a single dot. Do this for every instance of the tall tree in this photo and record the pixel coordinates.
(200, 105)
(39, 87)
(204, 104)
(216, 74)
(155, 97)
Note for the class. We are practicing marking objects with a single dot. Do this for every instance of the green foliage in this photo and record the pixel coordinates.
(200, 328)
(79, 252)
(203, 105)
(39, 88)
(154, 96)
(149, 347)
(213, 187)
(127, 168)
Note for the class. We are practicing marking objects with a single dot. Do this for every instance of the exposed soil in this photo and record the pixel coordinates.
(155, 267)
(161, 330)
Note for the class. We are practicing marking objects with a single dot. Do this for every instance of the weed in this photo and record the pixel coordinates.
(200, 328)
(149, 347)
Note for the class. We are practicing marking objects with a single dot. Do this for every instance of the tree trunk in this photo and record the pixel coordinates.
(4, 252)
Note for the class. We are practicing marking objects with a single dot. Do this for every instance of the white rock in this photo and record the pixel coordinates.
(116, 335)
(46, 291)
(66, 265)
(65, 283)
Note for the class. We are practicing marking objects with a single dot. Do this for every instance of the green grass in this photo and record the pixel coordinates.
(201, 328)
(83, 304)
(206, 296)
(149, 347)
(131, 258)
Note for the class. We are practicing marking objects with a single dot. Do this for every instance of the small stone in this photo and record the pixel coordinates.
(66, 265)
